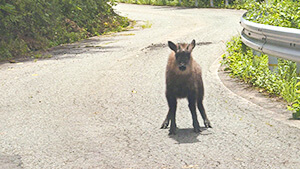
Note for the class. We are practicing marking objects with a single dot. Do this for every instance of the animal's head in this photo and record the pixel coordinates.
(182, 53)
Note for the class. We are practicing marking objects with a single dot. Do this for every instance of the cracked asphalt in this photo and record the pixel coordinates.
(99, 103)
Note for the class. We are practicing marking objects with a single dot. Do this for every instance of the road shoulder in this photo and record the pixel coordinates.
(250, 93)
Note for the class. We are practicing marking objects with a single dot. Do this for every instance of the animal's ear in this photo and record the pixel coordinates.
(172, 46)
(191, 45)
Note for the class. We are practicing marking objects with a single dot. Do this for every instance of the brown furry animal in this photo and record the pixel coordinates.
(184, 80)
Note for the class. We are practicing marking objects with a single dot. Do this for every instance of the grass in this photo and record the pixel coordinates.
(243, 64)
(148, 24)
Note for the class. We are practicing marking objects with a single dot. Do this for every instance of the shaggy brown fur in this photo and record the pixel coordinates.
(184, 80)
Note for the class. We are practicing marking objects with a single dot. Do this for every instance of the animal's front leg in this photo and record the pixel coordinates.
(172, 102)
(192, 106)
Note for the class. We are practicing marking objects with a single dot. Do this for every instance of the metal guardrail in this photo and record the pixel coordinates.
(272, 40)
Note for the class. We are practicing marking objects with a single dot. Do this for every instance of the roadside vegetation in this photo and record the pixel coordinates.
(244, 64)
(284, 13)
(192, 3)
(28, 26)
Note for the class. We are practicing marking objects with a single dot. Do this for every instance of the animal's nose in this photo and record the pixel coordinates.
(182, 68)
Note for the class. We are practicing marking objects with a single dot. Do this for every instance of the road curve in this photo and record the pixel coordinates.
(99, 103)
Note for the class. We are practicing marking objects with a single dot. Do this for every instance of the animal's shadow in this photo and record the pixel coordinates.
(187, 135)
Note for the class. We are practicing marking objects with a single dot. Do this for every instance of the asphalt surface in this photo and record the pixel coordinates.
(100, 103)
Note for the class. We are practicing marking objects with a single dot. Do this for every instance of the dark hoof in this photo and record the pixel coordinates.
(164, 125)
(197, 129)
(172, 131)
(207, 124)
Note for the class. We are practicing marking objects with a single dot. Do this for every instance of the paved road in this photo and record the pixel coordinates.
(100, 103)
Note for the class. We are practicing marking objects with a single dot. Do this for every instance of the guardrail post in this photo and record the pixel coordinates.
(211, 3)
(273, 63)
(257, 53)
(298, 69)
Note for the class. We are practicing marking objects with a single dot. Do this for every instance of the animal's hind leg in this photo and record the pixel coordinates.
(166, 121)
(172, 102)
(192, 106)
(203, 114)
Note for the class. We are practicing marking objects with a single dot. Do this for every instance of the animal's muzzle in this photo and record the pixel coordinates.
(182, 68)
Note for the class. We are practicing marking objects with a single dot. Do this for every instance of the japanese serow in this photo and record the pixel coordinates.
(184, 80)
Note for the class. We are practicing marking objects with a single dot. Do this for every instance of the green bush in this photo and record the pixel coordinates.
(242, 63)
(283, 13)
(31, 25)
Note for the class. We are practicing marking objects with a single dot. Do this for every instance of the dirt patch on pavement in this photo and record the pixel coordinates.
(163, 45)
